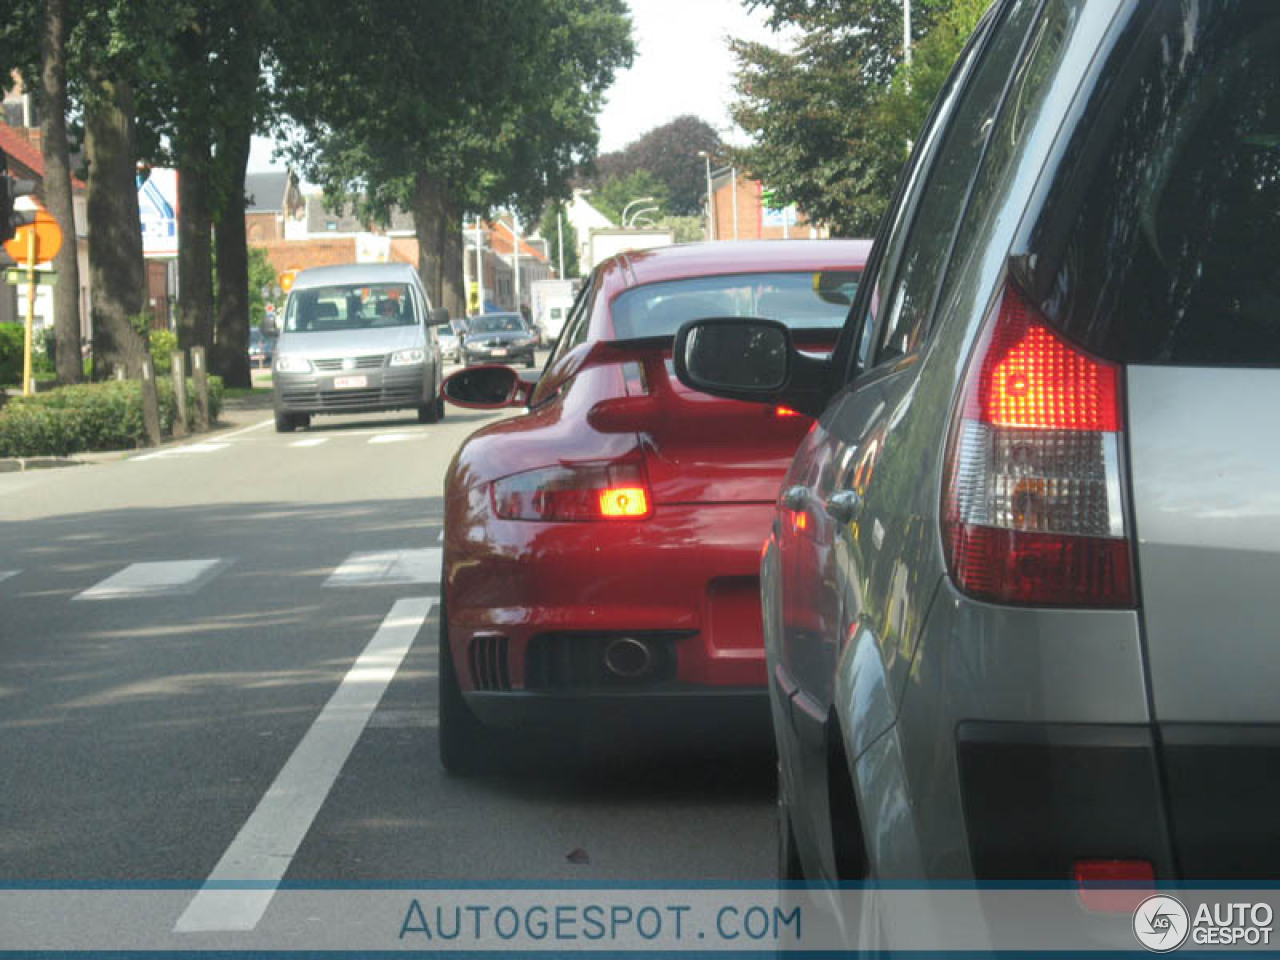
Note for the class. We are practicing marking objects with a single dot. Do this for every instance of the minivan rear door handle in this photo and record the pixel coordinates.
(843, 506)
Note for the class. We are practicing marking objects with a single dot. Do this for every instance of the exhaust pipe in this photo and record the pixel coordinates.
(628, 658)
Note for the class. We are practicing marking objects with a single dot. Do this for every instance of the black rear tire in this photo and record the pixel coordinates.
(466, 745)
(285, 423)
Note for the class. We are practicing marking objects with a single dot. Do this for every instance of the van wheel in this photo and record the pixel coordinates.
(284, 423)
(429, 412)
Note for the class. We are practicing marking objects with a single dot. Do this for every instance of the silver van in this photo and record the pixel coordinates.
(357, 338)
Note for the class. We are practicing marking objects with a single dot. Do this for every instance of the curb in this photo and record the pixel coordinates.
(23, 464)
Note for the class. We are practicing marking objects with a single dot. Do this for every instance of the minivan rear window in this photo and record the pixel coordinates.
(1160, 241)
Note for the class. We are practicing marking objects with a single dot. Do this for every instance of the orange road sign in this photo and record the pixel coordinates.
(48, 239)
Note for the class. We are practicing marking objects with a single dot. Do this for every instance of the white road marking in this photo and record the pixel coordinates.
(387, 567)
(310, 442)
(177, 451)
(256, 426)
(390, 437)
(6, 574)
(154, 579)
(265, 846)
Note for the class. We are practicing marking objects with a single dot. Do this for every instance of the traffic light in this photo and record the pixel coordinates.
(11, 190)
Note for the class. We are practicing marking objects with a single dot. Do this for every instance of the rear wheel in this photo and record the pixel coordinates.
(466, 745)
(285, 423)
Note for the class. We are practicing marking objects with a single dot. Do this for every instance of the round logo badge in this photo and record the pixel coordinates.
(1161, 923)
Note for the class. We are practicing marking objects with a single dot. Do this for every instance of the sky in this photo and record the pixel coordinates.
(682, 65)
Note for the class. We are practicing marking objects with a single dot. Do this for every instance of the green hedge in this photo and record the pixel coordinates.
(95, 416)
(11, 340)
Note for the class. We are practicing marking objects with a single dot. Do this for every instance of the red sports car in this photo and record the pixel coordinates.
(602, 550)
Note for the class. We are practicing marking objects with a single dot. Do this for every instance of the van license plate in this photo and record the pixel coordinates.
(350, 383)
(499, 351)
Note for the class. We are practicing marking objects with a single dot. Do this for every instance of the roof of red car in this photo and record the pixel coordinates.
(756, 256)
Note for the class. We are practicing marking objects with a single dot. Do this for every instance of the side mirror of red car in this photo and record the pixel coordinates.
(489, 387)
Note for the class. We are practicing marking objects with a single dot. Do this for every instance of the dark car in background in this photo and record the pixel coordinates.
(261, 348)
(1019, 594)
(501, 337)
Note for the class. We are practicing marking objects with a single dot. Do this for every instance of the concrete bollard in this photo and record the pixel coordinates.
(180, 428)
(150, 404)
(200, 377)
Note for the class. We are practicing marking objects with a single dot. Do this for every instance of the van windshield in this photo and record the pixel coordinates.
(349, 307)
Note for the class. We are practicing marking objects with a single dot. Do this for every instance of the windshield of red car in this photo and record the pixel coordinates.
(803, 301)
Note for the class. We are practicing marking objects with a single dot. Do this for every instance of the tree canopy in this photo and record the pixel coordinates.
(494, 105)
(832, 118)
(669, 153)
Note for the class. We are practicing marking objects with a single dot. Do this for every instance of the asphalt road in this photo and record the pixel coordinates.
(234, 640)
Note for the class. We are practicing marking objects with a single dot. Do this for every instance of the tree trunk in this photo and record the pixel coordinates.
(116, 271)
(231, 356)
(437, 220)
(57, 189)
(195, 248)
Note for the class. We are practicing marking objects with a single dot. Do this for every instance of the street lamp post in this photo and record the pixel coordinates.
(906, 31)
(479, 268)
(711, 216)
(632, 204)
(635, 217)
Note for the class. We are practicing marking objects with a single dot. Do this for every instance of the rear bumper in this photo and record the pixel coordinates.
(1038, 798)
(720, 714)
(533, 606)
(384, 389)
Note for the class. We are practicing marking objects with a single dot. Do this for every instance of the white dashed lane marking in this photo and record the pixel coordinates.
(390, 437)
(388, 567)
(310, 442)
(6, 574)
(155, 579)
(261, 852)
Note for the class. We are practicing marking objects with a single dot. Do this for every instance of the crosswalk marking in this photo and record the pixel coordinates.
(310, 442)
(154, 579)
(387, 567)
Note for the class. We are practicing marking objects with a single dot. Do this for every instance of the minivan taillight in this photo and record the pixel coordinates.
(1032, 505)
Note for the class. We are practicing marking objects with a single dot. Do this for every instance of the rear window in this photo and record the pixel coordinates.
(803, 301)
(1169, 248)
(349, 307)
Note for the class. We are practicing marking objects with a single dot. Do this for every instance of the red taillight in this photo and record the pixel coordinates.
(574, 492)
(1033, 511)
(1114, 886)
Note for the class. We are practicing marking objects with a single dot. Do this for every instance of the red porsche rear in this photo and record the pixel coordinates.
(602, 550)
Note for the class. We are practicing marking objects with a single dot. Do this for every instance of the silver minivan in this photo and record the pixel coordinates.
(1019, 598)
(357, 338)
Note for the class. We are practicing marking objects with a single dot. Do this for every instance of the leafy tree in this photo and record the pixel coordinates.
(553, 225)
(494, 105)
(262, 276)
(613, 195)
(814, 112)
(686, 229)
(670, 153)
